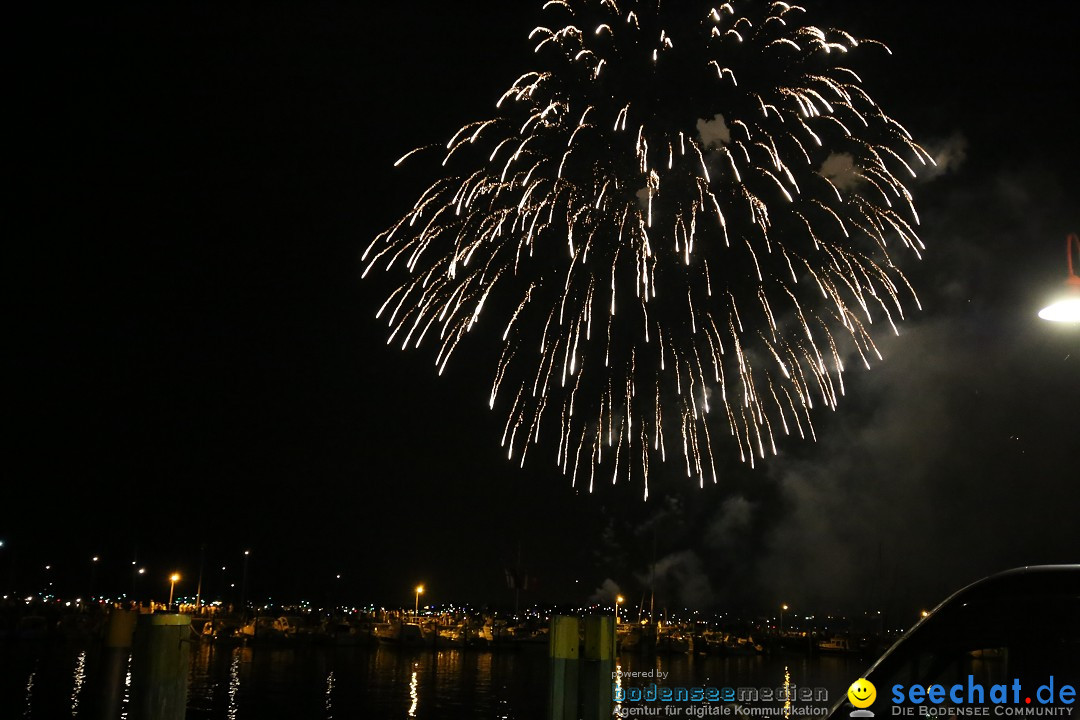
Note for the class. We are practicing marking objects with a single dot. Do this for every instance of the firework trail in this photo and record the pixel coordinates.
(686, 221)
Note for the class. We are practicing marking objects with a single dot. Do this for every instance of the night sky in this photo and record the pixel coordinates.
(193, 359)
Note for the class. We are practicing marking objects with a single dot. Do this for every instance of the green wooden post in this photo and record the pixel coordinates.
(160, 662)
(117, 653)
(563, 644)
(121, 628)
(598, 667)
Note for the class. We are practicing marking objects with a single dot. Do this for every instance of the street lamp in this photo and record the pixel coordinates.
(416, 608)
(243, 586)
(619, 600)
(1067, 307)
(139, 572)
(782, 609)
(198, 587)
(11, 564)
(173, 579)
(93, 574)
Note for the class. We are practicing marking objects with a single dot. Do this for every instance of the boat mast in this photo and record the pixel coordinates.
(517, 582)
(652, 578)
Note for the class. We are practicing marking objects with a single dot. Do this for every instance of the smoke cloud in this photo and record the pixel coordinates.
(840, 168)
(714, 133)
(933, 472)
(949, 155)
(606, 593)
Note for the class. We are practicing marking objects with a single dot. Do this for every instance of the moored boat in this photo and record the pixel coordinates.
(839, 645)
(404, 634)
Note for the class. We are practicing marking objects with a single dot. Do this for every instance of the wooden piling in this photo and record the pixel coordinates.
(564, 644)
(598, 667)
(160, 660)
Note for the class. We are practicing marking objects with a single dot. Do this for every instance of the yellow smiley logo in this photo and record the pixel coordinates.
(862, 693)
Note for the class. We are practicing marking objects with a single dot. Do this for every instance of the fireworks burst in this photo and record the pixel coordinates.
(686, 219)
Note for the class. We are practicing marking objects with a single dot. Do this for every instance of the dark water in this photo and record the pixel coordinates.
(245, 683)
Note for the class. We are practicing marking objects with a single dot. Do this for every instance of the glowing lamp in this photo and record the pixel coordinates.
(1066, 308)
(173, 579)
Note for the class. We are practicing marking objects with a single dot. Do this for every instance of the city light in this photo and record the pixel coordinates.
(173, 579)
(1066, 307)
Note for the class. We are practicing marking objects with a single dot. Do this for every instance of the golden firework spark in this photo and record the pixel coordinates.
(685, 220)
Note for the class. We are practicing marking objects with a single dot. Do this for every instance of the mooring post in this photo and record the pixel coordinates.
(159, 671)
(121, 628)
(598, 667)
(563, 643)
(118, 636)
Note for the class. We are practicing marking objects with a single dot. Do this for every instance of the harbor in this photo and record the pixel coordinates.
(450, 627)
(312, 676)
(441, 662)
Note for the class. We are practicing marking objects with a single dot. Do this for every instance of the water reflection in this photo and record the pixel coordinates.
(80, 679)
(234, 683)
(126, 700)
(311, 681)
(618, 687)
(787, 692)
(413, 695)
(783, 672)
(30, 695)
